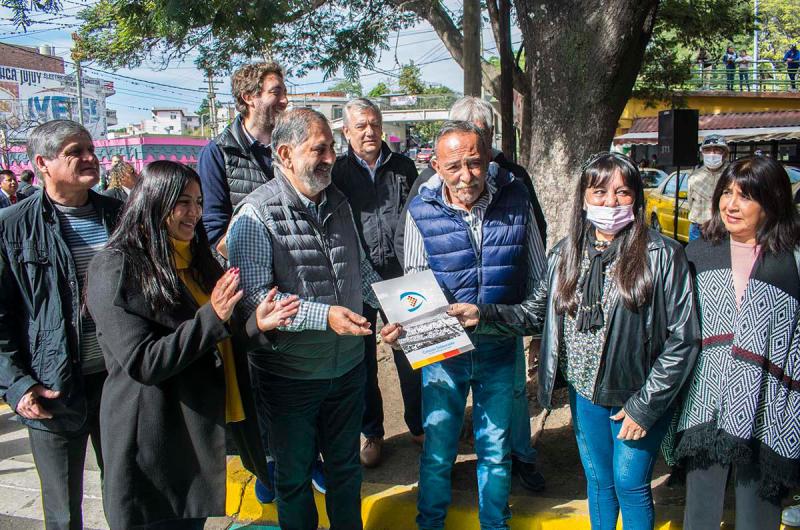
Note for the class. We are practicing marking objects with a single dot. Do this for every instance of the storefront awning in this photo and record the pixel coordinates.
(760, 135)
(758, 127)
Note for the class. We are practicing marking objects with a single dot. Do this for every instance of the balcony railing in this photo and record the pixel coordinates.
(419, 102)
(765, 76)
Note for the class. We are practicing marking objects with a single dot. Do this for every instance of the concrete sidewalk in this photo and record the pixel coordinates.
(20, 497)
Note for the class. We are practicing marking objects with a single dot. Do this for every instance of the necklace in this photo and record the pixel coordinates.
(601, 244)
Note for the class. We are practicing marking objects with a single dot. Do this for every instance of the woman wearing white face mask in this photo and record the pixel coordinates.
(617, 316)
(703, 180)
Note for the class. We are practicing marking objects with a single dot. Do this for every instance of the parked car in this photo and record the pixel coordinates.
(652, 177)
(424, 155)
(660, 207)
(794, 178)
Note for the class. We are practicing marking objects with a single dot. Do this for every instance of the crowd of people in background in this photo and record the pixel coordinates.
(181, 305)
(739, 60)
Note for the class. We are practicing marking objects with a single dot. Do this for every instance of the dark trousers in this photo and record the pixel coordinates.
(59, 459)
(261, 414)
(731, 72)
(410, 386)
(705, 500)
(302, 414)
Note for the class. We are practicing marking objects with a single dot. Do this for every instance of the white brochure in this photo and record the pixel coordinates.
(417, 303)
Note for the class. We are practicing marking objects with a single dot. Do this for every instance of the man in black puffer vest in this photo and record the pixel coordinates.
(376, 181)
(239, 160)
(231, 167)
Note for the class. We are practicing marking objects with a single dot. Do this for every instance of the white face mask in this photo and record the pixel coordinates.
(609, 220)
(712, 160)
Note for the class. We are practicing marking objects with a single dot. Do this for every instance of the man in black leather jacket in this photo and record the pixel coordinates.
(51, 367)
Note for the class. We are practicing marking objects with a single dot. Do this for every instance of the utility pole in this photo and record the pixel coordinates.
(472, 48)
(79, 83)
(78, 76)
(212, 102)
(508, 145)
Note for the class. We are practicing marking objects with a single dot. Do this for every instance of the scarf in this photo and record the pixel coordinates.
(182, 254)
(742, 405)
(590, 312)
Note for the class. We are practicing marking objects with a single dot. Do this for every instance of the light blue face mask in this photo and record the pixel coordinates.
(712, 160)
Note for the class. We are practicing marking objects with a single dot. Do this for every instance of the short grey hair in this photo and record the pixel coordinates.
(48, 139)
(472, 109)
(293, 126)
(453, 127)
(361, 104)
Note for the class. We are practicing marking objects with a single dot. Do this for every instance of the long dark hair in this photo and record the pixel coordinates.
(142, 237)
(765, 181)
(633, 276)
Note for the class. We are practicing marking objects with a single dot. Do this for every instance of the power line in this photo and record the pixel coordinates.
(133, 79)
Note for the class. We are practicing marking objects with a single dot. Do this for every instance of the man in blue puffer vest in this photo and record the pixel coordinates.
(473, 226)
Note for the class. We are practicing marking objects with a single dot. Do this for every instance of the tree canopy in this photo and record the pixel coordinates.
(779, 22)
(583, 57)
(378, 90)
(351, 88)
(224, 33)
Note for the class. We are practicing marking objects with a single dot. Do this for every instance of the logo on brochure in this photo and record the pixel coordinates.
(412, 300)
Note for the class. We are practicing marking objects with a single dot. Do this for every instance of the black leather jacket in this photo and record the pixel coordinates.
(648, 355)
(40, 309)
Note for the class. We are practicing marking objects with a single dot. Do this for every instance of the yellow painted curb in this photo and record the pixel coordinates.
(388, 507)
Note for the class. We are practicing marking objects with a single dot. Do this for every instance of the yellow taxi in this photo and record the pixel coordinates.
(660, 207)
(794, 179)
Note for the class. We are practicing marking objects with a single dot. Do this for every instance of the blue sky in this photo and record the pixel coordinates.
(136, 94)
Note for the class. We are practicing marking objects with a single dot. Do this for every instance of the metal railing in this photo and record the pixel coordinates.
(764, 76)
(418, 102)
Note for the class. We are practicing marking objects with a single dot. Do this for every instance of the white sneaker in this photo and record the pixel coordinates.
(791, 514)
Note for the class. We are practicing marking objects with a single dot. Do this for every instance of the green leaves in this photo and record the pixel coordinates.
(301, 34)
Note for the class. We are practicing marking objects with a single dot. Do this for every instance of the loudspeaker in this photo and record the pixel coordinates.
(677, 137)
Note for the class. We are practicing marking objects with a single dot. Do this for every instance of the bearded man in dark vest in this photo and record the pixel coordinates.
(296, 234)
(239, 160)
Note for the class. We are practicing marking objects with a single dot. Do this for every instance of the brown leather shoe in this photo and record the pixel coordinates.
(418, 439)
(371, 452)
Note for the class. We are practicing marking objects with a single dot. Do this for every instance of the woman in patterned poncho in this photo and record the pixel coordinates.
(742, 408)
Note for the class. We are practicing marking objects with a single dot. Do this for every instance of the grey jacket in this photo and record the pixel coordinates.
(319, 261)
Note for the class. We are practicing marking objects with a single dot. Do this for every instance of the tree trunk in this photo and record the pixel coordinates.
(582, 58)
(509, 145)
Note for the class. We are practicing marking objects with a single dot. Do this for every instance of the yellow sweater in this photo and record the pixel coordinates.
(182, 253)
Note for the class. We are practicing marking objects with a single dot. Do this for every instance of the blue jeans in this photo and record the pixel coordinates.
(520, 416)
(618, 472)
(489, 371)
(694, 231)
